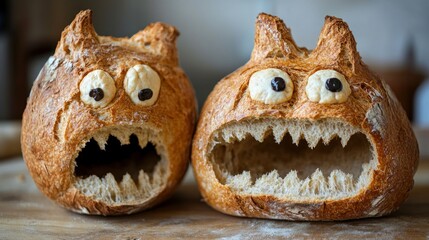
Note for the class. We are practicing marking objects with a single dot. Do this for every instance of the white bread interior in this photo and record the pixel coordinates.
(126, 191)
(333, 160)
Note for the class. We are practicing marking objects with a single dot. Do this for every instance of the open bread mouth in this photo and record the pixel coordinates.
(121, 165)
(297, 160)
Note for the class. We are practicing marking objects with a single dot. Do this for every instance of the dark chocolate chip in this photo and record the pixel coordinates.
(333, 85)
(145, 94)
(97, 94)
(278, 84)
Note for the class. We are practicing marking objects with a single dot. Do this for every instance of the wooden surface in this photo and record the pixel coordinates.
(26, 214)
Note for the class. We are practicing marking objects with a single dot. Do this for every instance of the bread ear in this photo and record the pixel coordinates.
(80, 34)
(159, 39)
(273, 39)
(336, 44)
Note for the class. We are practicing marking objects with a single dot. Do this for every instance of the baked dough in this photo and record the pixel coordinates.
(339, 149)
(99, 139)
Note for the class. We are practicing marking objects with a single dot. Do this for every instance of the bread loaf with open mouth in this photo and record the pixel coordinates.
(304, 135)
(108, 125)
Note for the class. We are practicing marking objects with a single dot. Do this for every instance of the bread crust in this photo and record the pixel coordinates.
(56, 121)
(371, 107)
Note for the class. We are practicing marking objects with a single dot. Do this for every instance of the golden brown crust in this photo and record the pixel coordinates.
(336, 49)
(274, 39)
(56, 121)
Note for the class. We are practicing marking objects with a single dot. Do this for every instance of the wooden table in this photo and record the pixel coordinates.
(26, 214)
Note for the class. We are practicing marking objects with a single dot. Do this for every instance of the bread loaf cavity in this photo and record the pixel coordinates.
(304, 135)
(108, 125)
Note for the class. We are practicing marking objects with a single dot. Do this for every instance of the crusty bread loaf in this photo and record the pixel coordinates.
(339, 147)
(109, 121)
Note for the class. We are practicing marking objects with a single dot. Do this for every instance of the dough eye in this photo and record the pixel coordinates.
(270, 86)
(97, 88)
(142, 84)
(327, 86)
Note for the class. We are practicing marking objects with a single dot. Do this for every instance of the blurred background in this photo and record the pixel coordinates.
(217, 38)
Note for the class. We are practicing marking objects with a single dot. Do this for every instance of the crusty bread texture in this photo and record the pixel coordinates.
(118, 142)
(339, 147)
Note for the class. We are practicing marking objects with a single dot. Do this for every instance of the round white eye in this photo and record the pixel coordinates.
(142, 84)
(270, 86)
(327, 86)
(97, 88)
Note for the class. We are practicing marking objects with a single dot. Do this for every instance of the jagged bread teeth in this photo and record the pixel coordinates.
(337, 184)
(312, 135)
(318, 182)
(291, 182)
(128, 187)
(227, 136)
(333, 182)
(239, 135)
(123, 137)
(259, 134)
(345, 135)
(348, 182)
(344, 140)
(106, 188)
(143, 139)
(241, 182)
(296, 136)
(101, 140)
(305, 187)
(268, 182)
(94, 181)
(312, 132)
(311, 138)
(340, 181)
(112, 187)
(144, 182)
(327, 137)
(279, 132)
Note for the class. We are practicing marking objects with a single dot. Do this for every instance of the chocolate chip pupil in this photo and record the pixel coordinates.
(333, 85)
(278, 84)
(145, 94)
(97, 94)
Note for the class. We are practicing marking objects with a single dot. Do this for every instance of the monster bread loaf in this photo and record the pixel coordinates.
(109, 121)
(304, 135)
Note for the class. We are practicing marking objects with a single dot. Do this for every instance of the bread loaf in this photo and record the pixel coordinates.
(304, 135)
(108, 125)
